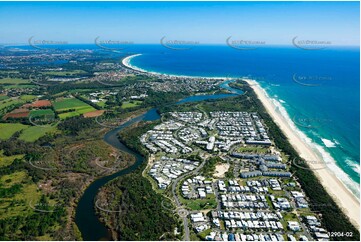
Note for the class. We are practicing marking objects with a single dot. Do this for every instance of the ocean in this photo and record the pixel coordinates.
(316, 90)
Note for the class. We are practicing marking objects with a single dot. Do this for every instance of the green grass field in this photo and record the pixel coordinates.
(9, 102)
(22, 202)
(68, 115)
(33, 133)
(79, 111)
(72, 103)
(28, 133)
(204, 233)
(7, 181)
(101, 104)
(131, 104)
(68, 103)
(42, 112)
(27, 98)
(8, 160)
(199, 204)
(18, 86)
(13, 81)
(7, 130)
(3, 97)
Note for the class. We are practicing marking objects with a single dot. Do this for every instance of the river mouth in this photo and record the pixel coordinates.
(86, 217)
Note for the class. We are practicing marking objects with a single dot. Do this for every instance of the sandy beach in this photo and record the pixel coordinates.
(342, 196)
(126, 63)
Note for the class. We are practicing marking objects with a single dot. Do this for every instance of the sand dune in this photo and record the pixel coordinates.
(342, 196)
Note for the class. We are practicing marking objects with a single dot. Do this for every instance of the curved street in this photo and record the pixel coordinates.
(176, 199)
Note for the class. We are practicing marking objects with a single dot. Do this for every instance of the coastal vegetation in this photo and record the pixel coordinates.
(332, 216)
(42, 178)
(141, 215)
(47, 168)
(210, 166)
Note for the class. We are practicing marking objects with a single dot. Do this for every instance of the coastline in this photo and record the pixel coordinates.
(341, 195)
(333, 185)
(126, 63)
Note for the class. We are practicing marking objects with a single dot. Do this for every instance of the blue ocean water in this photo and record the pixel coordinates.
(319, 90)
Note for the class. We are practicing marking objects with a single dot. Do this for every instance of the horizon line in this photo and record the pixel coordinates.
(157, 43)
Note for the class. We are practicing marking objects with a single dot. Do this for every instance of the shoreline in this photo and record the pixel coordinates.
(338, 191)
(349, 203)
(126, 63)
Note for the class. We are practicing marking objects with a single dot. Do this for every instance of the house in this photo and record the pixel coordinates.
(197, 217)
(294, 226)
(303, 238)
(322, 236)
(250, 174)
(291, 237)
(277, 173)
(231, 237)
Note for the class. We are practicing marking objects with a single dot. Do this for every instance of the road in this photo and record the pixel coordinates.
(176, 199)
(215, 189)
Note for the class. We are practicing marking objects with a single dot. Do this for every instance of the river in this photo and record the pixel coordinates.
(86, 219)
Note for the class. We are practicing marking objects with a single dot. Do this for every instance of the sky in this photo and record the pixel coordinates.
(204, 22)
